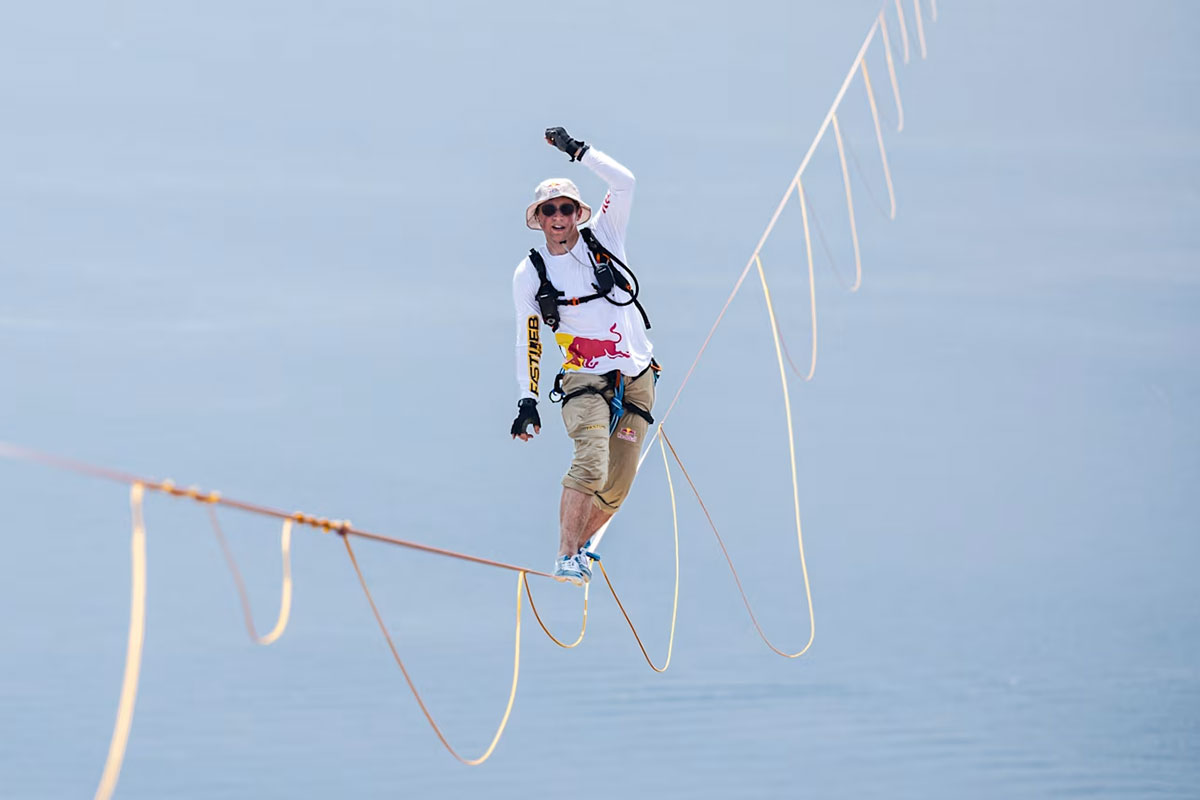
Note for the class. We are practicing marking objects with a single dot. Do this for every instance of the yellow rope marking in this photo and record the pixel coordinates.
(887, 172)
(512, 695)
(675, 602)
(812, 282)
(133, 651)
(903, 30)
(285, 601)
(837, 134)
(887, 50)
(920, 27)
(553, 638)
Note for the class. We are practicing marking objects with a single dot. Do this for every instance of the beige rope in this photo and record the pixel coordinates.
(745, 600)
(887, 172)
(920, 27)
(285, 601)
(812, 281)
(675, 602)
(133, 650)
(887, 50)
(512, 695)
(837, 134)
(553, 638)
(903, 29)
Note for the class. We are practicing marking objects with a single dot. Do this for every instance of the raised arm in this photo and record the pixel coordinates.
(613, 217)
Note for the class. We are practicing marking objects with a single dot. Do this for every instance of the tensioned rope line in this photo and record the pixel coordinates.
(167, 486)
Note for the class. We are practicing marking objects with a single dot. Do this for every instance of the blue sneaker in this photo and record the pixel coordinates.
(566, 570)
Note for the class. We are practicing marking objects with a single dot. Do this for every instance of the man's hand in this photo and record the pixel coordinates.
(563, 141)
(526, 415)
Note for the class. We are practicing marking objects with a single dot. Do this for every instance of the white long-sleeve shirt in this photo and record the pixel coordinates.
(596, 336)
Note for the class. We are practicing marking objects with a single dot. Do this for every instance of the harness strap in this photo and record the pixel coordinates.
(611, 275)
(548, 297)
(604, 264)
(618, 405)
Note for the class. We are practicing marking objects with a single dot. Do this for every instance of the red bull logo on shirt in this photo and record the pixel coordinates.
(584, 353)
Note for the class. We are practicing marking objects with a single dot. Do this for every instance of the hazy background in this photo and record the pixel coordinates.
(267, 248)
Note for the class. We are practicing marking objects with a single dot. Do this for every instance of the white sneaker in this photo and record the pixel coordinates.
(566, 570)
(584, 562)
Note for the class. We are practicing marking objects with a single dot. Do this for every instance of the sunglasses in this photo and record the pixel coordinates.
(566, 209)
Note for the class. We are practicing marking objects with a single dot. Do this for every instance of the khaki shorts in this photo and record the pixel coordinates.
(603, 465)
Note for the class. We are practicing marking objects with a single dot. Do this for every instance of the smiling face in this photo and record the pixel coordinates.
(558, 219)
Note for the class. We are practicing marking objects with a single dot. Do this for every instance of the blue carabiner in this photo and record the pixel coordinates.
(617, 404)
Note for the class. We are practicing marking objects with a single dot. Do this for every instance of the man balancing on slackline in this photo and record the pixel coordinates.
(576, 284)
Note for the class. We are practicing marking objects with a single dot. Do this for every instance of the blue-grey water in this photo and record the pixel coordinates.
(267, 248)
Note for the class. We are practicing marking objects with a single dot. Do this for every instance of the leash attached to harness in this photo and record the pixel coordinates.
(606, 268)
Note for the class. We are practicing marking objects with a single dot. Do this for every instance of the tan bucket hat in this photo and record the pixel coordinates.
(550, 189)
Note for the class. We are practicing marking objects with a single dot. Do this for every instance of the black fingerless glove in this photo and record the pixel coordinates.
(526, 415)
(563, 141)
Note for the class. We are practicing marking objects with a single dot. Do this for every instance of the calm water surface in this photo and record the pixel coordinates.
(269, 251)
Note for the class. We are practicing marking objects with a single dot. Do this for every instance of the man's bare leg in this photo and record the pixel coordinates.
(595, 521)
(574, 517)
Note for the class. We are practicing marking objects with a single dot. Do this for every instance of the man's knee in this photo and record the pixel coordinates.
(610, 500)
(622, 465)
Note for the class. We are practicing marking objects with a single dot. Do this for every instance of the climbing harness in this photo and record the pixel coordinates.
(606, 268)
(614, 390)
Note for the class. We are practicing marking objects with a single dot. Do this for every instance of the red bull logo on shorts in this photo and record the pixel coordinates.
(581, 352)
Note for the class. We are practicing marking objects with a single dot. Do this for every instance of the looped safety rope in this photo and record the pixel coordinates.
(803, 566)
(675, 602)
(512, 695)
(133, 650)
(285, 600)
(553, 638)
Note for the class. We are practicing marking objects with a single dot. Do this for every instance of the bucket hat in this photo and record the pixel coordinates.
(550, 189)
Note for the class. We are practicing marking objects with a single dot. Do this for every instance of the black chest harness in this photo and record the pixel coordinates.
(607, 270)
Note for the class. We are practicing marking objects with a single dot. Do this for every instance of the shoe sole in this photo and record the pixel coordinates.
(568, 579)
